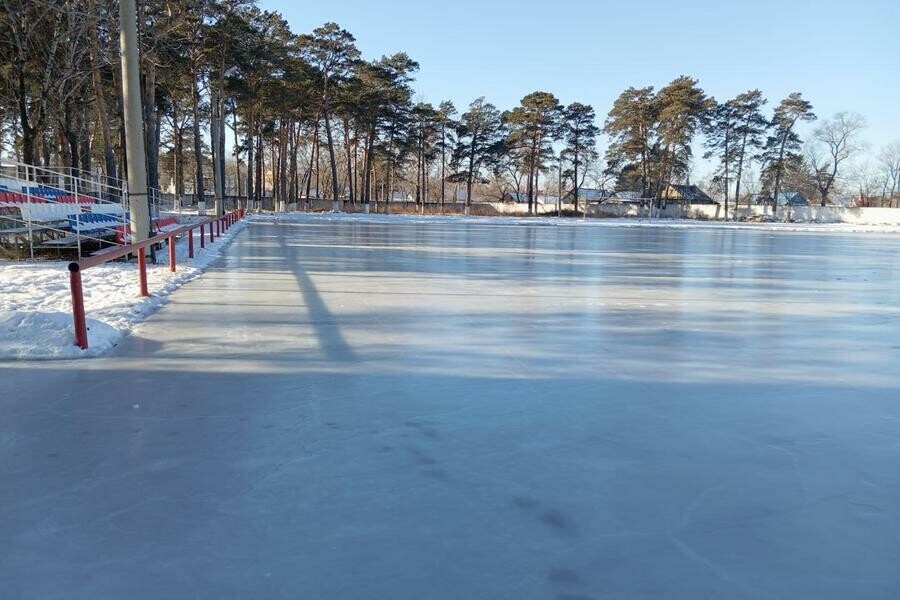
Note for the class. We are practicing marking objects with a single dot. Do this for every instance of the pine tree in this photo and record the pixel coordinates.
(332, 52)
(580, 136)
(533, 126)
(632, 123)
(447, 125)
(480, 141)
(426, 129)
(683, 110)
(750, 129)
(783, 144)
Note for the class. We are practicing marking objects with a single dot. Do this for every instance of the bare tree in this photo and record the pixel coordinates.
(869, 183)
(836, 140)
(889, 158)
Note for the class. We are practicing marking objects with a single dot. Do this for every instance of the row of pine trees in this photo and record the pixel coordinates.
(308, 116)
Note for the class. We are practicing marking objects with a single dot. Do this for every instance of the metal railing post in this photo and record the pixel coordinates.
(190, 236)
(202, 236)
(172, 253)
(142, 269)
(81, 339)
(28, 221)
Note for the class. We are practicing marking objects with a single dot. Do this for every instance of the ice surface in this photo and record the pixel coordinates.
(346, 408)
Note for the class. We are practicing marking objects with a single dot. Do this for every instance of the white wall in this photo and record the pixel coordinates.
(804, 214)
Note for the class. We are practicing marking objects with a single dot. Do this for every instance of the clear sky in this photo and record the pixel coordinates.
(843, 55)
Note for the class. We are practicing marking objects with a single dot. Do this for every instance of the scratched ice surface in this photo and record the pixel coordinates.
(352, 409)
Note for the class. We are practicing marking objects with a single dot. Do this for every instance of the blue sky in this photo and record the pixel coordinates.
(841, 55)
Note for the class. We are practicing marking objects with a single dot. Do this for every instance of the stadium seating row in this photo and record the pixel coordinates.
(22, 198)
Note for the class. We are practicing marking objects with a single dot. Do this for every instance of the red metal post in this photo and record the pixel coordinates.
(202, 236)
(142, 270)
(172, 253)
(81, 338)
(210, 233)
(190, 234)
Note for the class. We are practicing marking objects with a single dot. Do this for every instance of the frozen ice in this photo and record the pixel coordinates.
(345, 408)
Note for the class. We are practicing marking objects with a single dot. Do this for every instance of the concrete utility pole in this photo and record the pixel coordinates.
(134, 122)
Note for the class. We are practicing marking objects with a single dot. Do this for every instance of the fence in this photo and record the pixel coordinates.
(217, 226)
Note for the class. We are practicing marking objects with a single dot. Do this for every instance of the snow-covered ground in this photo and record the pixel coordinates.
(36, 304)
(583, 222)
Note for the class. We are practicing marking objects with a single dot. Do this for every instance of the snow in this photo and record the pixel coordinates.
(36, 306)
(546, 221)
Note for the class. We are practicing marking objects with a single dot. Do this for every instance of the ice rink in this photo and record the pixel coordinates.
(360, 409)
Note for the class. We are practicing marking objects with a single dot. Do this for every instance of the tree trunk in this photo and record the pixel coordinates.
(443, 161)
(530, 186)
(237, 157)
(251, 125)
(332, 159)
(367, 185)
(778, 171)
(740, 174)
(109, 158)
(151, 125)
(349, 159)
(199, 192)
(259, 188)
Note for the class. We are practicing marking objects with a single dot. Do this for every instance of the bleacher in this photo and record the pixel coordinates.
(95, 223)
(50, 208)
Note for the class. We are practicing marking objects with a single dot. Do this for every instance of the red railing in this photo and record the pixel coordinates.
(216, 224)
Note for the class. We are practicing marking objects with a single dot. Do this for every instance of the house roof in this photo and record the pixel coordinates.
(593, 195)
(784, 198)
(627, 195)
(691, 193)
(590, 194)
(792, 198)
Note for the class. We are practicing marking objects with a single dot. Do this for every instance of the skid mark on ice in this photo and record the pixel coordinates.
(553, 518)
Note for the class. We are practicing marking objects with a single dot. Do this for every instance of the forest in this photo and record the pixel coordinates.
(232, 95)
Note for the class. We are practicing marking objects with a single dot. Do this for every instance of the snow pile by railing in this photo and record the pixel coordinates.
(36, 303)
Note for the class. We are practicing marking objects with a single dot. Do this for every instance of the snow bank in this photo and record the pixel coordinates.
(36, 309)
(578, 222)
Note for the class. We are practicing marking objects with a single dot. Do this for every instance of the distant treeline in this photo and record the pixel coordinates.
(305, 115)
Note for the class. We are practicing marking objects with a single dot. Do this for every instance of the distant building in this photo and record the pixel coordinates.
(588, 195)
(689, 194)
(523, 198)
(792, 199)
(784, 199)
(626, 197)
